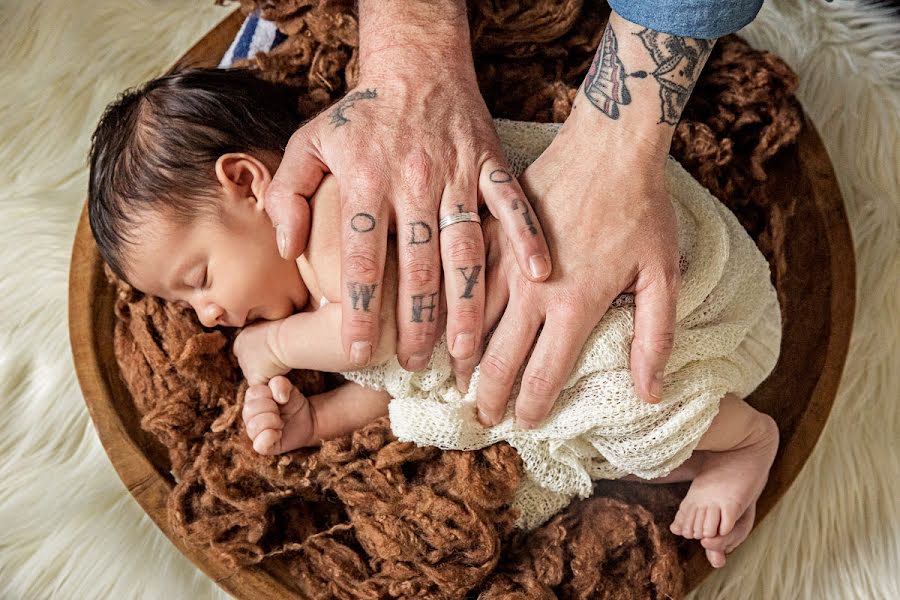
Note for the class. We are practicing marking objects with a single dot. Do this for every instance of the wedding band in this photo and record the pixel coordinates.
(461, 217)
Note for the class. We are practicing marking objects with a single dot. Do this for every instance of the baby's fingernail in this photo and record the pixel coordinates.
(463, 345)
(361, 353)
(539, 266)
(417, 362)
(281, 236)
(656, 386)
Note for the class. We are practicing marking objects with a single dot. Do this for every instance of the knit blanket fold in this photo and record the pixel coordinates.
(727, 339)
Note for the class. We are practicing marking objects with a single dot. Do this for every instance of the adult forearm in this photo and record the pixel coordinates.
(637, 87)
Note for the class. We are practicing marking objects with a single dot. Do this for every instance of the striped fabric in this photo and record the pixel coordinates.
(255, 35)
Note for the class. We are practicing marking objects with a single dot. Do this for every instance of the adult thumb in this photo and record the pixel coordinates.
(286, 199)
(654, 334)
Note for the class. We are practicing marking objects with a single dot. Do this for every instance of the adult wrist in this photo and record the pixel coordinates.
(413, 34)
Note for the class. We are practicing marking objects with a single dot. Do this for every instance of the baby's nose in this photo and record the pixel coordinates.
(210, 315)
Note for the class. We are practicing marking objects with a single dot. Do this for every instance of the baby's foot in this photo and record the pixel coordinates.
(717, 547)
(725, 489)
(277, 417)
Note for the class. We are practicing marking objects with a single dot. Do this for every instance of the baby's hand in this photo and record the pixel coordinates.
(254, 349)
(277, 417)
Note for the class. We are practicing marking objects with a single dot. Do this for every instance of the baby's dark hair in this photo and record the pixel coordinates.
(156, 147)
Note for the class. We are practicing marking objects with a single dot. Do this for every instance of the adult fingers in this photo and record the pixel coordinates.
(654, 331)
(286, 199)
(502, 360)
(552, 361)
(496, 291)
(419, 272)
(507, 202)
(363, 247)
(462, 254)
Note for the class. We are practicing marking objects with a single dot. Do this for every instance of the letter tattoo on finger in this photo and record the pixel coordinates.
(419, 305)
(500, 176)
(362, 222)
(471, 278)
(419, 232)
(361, 293)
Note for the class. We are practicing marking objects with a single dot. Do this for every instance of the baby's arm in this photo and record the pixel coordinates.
(280, 419)
(306, 340)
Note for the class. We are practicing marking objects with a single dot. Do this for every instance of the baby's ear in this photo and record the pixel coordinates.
(243, 176)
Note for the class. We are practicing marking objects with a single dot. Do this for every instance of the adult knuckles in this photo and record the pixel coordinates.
(362, 264)
(660, 343)
(466, 248)
(495, 366)
(540, 384)
(420, 274)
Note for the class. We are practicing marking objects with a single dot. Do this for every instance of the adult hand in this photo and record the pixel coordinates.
(599, 190)
(411, 143)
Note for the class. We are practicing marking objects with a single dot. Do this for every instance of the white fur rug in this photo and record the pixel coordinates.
(71, 530)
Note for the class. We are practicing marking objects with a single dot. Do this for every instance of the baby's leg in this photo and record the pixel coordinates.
(733, 459)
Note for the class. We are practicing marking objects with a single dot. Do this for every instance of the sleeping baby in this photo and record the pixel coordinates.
(179, 169)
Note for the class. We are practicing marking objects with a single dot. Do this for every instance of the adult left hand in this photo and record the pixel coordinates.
(609, 231)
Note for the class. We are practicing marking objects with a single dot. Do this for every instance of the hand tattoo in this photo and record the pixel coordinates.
(470, 279)
(361, 292)
(362, 222)
(419, 305)
(337, 113)
(678, 64)
(424, 229)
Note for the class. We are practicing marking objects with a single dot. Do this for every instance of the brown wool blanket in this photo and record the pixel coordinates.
(366, 516)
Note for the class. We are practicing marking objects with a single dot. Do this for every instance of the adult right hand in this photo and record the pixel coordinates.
(411, 144)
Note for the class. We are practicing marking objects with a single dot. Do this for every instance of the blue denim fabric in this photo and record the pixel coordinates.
(705, 19)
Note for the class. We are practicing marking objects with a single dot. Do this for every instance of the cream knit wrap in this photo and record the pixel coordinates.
(727, 339)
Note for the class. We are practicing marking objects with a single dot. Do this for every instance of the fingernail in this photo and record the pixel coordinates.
(361, 353)
(463, 345)
(417, 362)
(484, 419)
(281, 235)
(539, 266)
(524, 425)
(656, 386)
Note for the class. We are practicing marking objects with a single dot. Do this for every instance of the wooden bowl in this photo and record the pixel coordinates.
(816, 283)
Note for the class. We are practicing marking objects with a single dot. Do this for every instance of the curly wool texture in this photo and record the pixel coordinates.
(366, 516)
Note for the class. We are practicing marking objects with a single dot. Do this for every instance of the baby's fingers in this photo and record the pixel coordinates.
(263, 422)
(268, 442)
(258, 399)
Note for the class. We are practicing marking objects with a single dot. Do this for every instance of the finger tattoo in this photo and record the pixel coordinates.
(419, 306)
(419, 232)
(362, 222)
(361, 293)
(500, 176)
(337, 115)
(470, 278)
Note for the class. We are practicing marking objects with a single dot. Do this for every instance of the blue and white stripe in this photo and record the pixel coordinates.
(255, 35)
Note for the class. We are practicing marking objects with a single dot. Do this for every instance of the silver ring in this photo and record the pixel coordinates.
(460, 217)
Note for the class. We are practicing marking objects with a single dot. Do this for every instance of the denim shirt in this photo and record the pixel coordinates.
(706, 19)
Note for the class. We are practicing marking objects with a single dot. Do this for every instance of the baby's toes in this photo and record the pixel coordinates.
(699, 520)
(731, 512)
(715, 558)
(711, 522)
(683, 521)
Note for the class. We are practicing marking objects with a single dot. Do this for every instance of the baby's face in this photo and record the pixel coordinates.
(226, 267)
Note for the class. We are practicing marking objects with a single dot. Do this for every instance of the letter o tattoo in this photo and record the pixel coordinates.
(500, 176)
(362, 222)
